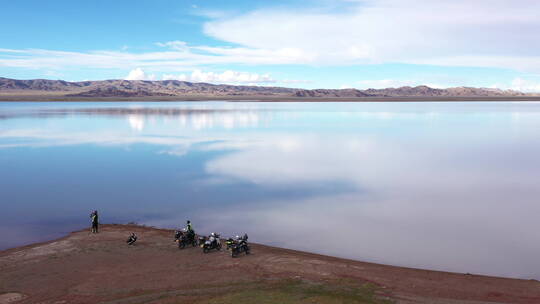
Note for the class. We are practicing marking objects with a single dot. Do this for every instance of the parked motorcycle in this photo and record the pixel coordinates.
(239, 245)
(202, 240)
(229, 242)
(177, 235)
(185, 238)
(212, 242)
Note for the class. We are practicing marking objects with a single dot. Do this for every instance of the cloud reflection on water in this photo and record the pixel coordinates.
(442, 186)
(424, 206)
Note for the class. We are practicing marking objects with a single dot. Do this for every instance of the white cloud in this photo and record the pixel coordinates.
(519, 84)
(139, 74)
(523, 85)
(175, 45)
(225, 77)
(178, 57)
(487, 33)
(483, 33)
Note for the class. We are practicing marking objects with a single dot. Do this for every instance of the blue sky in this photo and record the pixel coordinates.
(310, 44)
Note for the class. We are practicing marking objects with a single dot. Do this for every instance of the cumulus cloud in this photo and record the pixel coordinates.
(519, 84)
(139, 74)
(523, 85)
(225, 77)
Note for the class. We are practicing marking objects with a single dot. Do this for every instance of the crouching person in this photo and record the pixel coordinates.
(132, 239)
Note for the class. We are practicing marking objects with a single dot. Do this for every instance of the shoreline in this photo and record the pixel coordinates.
(64, 262)
(48, 98)
(171, 231)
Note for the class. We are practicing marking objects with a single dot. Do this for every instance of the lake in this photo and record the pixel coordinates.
(448, 186)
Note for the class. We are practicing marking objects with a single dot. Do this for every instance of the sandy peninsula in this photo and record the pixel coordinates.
(101, 268)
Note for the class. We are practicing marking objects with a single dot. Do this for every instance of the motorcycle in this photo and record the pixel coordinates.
(184, 238)
(201, 240)
(177, 235)
(229, 242)
(240, 245)
(212, 242)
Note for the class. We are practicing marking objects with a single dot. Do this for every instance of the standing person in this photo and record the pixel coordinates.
(190, 232)
(95, 222)
(189, 227)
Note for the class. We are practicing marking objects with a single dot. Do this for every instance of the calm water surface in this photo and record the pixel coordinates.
(447, 186)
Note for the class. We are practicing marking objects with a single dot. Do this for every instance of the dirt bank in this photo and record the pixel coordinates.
(86, 268)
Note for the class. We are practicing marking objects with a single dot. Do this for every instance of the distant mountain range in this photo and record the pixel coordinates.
(171, 88)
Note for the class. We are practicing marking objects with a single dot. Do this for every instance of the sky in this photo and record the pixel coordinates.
(306, 44)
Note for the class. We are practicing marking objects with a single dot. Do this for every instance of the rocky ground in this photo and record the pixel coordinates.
(101, 268)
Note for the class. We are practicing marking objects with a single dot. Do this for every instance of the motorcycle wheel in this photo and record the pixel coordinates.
(233, 253)
(205, 250)
(181, 245)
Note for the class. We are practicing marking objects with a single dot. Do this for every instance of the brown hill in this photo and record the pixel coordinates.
(425, 91)
(141, 88)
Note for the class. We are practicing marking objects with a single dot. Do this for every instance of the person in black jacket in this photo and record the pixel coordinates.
(94, 220)
(132, 239)
(190, 232)
(189, 227)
